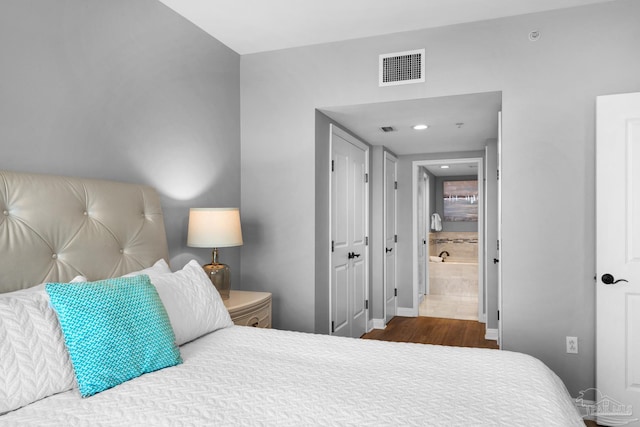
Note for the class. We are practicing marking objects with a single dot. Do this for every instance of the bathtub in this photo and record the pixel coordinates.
(454, 276)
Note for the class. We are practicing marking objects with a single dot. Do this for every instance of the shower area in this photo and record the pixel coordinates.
(453, 276)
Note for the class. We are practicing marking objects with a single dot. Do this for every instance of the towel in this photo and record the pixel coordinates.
(436, 222)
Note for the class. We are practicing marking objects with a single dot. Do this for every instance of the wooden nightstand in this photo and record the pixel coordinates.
(249, 308)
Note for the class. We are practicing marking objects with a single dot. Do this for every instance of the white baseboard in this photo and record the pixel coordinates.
(491, 334)
(406, 312)
(378, 324)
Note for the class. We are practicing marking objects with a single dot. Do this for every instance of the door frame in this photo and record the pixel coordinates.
(333, 129)
(427, 217)
(415, 165)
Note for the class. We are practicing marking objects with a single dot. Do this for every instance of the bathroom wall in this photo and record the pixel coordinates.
(461, 245)
(452, 225)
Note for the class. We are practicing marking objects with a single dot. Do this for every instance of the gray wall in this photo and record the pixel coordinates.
(127, 91)
(452, 225)
(549, 89)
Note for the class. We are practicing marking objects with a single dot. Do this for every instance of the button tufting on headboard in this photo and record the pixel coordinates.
(54, 228)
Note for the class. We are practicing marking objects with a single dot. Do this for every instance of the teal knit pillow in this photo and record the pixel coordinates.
(114, 329)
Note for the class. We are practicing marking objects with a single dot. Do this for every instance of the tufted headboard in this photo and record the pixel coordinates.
(53, 228)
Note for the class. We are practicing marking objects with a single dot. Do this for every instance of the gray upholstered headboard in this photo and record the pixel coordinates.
(53, 228)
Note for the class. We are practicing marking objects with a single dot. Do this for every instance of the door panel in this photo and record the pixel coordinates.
(358, 308)
(618, 250)
(340, 300)
(340, 194)
(390, 200)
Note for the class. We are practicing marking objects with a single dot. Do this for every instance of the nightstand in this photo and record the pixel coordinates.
(249, 308)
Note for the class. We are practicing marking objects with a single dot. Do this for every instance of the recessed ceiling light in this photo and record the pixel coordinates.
(444, 167)
(420, 127)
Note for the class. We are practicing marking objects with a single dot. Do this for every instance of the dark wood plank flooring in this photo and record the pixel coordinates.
(433, 330)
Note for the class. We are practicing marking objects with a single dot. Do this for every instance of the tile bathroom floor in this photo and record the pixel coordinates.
(450, 307)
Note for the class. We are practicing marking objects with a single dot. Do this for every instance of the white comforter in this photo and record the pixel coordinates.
(246, 376)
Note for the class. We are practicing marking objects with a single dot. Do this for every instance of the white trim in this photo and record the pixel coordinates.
(378, 324)
(407, 312)
(414, 197)
(491, 334)
(483, 318)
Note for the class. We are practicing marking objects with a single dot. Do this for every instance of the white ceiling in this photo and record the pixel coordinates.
(250, 26)
(478, 114)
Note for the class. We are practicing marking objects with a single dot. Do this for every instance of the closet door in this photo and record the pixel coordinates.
(349, 225)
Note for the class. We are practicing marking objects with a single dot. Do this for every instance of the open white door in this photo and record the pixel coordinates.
(618, 259)
(499, 243)
(390, 235)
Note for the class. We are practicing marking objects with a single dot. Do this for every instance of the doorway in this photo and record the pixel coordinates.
(454, 259)
(454, 126)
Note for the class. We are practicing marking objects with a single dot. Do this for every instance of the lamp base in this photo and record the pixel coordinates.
(220, 276)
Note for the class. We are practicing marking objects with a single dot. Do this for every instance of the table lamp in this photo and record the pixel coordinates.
(215, 228)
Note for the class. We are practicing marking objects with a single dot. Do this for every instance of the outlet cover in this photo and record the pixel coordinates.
(572, 345)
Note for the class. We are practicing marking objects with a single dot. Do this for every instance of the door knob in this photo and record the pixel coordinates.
(350, 255)
(387, 250)
(496, 260)
(608, 279)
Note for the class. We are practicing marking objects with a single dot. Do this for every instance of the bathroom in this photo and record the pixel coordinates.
(453, 250)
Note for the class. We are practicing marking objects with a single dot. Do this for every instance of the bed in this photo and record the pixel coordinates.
(57, 230)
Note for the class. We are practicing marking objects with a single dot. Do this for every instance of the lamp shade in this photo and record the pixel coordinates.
(214, 228)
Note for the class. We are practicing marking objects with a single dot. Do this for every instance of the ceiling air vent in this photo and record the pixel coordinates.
(387, 128)
(401, 68)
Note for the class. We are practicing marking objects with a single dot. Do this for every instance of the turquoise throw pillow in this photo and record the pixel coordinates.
(114, 329)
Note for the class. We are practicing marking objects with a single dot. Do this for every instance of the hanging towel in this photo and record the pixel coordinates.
(436, 222)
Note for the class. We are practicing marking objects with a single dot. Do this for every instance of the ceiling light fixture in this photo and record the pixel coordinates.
(420, 127)
(444, 167)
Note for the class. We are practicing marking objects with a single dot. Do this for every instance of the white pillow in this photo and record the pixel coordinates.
(160, 267)
(192, 302)
(34, 362)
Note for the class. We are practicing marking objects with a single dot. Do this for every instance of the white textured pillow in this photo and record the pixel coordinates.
(34, 362)
(160, 267)
(192, 302)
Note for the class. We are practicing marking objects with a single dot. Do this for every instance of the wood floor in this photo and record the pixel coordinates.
(433, 330)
